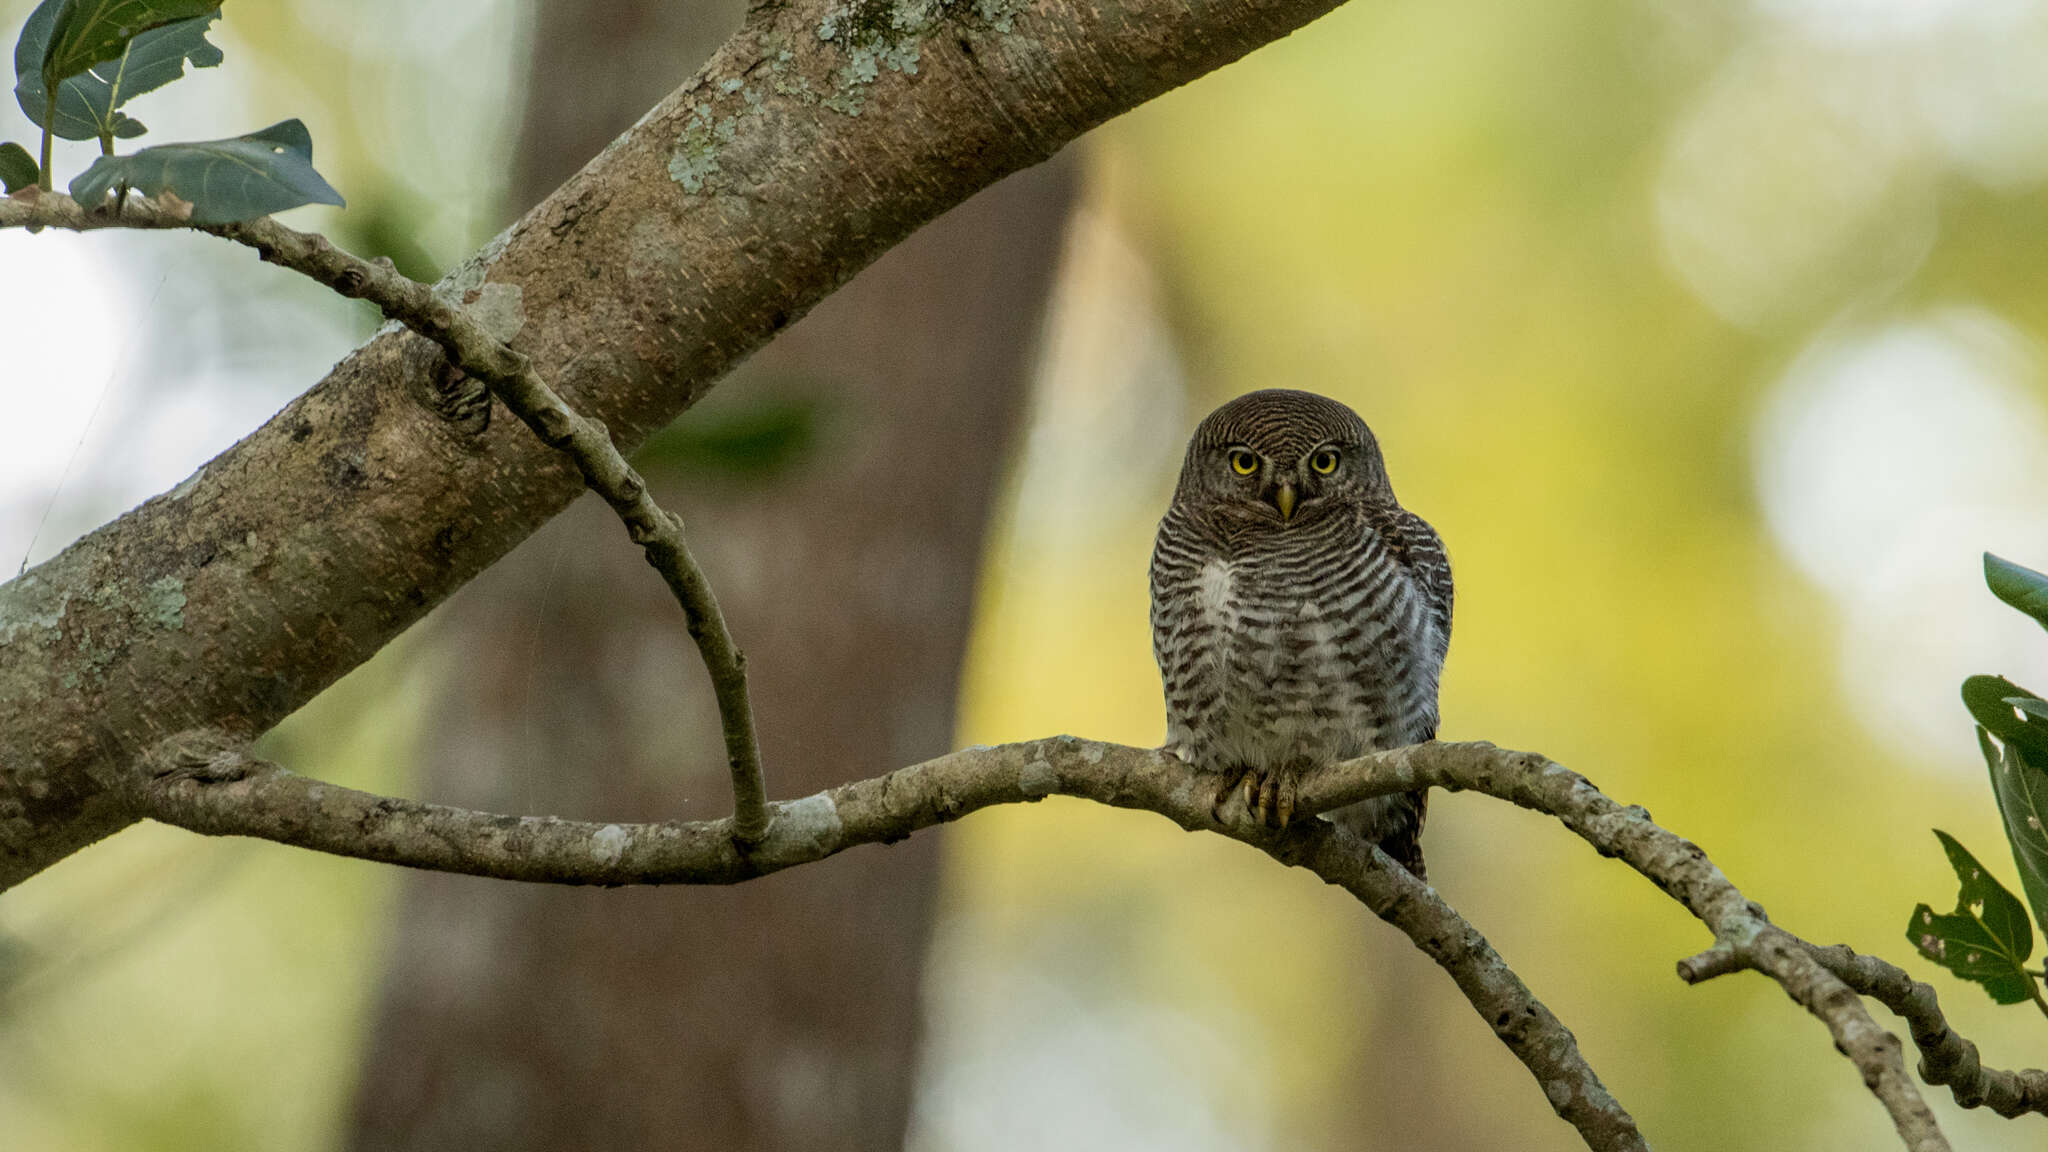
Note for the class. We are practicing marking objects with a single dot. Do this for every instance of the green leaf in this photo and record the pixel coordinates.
(1986, 940)
(2019, 778)
(1992, 703)
(2021, 587)
(87, 32)
(224, 180)
(17, 168)
(88, 103)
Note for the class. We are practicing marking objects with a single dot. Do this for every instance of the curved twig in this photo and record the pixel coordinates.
(472, 348)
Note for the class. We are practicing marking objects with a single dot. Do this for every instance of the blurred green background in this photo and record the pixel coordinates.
(1707, 336)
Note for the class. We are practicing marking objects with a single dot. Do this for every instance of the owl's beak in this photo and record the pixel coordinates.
(1284, 501)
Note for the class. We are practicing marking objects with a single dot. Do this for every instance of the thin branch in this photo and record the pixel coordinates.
(511, 378)
(1946, 1057)
(202, 781)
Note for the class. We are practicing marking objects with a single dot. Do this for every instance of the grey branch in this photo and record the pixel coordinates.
(203, 782)
(1946, 1057)
(510, 376)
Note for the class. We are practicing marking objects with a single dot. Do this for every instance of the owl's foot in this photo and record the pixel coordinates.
(1269, 795)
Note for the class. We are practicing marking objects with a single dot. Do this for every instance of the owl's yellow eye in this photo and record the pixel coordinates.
(1324, 461)
(1242, 462)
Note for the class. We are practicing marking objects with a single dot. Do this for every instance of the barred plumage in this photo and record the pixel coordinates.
(1300, 615)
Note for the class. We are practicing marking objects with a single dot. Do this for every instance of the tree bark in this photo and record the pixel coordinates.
(846, 568)
(817, 137)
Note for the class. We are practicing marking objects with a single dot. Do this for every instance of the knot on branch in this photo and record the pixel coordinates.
(1961, 1071)
(647, 529)
(460, 399)
(1719, 960)
(554, 425)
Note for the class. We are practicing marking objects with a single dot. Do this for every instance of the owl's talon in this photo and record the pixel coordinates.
(1276, 798)
(1245, 784)
(1223, 793)
(1269, 796)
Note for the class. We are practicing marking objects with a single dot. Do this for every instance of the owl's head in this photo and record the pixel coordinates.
(1282, 456)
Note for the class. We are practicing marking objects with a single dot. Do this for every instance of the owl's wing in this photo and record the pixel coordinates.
(1421, 551)
(1181, 642)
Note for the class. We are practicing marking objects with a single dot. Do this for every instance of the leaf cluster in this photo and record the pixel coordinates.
(1988, 939)
(77, 62)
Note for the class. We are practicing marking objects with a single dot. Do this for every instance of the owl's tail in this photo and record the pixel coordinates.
(1403, 841)
(1394, 823)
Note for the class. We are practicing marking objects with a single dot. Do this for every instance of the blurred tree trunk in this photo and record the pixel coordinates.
(838, 497)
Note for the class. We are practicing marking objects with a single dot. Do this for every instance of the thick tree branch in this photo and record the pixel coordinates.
(818, 137)
(203, 782)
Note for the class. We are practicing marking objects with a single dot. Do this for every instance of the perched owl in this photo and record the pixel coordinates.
(1300, 615)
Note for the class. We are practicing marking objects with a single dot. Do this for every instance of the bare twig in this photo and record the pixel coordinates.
(1946, 1057)
(510, 376)
(204, 782)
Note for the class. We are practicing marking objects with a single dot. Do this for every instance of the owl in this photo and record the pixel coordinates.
(1300, 615)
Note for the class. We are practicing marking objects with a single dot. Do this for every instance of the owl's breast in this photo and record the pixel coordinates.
(1287, 660)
